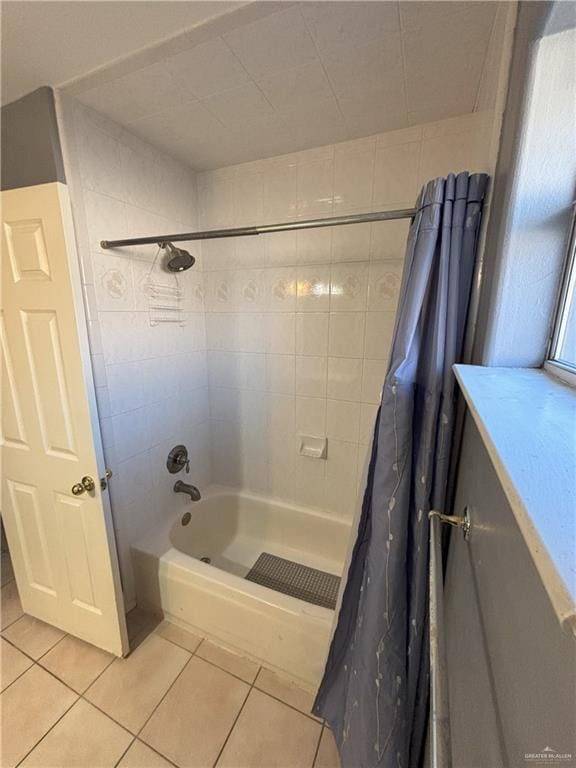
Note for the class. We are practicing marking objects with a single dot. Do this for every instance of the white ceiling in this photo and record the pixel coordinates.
(50, 43)
(270, 78)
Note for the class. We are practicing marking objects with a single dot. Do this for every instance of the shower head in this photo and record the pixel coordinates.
(179, 260)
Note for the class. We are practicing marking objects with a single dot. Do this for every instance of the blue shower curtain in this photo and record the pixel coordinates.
(374, 693)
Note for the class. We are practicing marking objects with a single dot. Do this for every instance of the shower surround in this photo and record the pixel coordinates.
(298, 324)
(281, 336)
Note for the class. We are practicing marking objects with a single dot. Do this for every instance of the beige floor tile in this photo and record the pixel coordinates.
(76, 663)
(12, 663)
(192, 723)
(83, 738)
(268, 734)
(33, 636)
(7, 572)
(327, 756)
(30, 707)
(285, 690)
(141, 756)
(180, 636)
(232, 662)
(130, 688)
(10, 605)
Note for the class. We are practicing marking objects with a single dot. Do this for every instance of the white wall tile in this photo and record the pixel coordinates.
(343, 420)
(353, 180)
(327, 306)
(280, 192)
(313, 288)
(281, 414)
(311, 416)
(315, 189)
(309, 485)
(368, 412)
(385, 278)
(281, 289)
(281, 333)
(280, 248)
(282, 461)
(314, 245)
(351, 243)
(379, 333)
(312, 333)
(372, 380)
(311, 376)
(281, 373)
(125, 188)
(344, 378)
(388, 239)
(348, 287)
(341, 470)
(346, 336)
(396, 174)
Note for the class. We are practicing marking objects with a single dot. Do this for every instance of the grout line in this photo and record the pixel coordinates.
(235, 720)
(16, 678)
(41, 739)
(50, 649)
(80, 696)
(125, 751)
(164, 696)
(310, 716)
(254, 683)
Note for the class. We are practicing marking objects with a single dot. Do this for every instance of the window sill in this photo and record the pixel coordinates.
(527, 420)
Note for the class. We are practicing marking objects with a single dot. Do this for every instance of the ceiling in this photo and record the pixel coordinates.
(50, 43)
(270, 78)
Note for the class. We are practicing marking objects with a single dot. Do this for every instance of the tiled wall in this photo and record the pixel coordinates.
(299, 324)
(151, 379)
(282, 335)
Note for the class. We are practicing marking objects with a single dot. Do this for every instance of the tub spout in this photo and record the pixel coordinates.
(182, 487)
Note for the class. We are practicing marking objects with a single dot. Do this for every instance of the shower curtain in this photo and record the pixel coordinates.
(374, 693)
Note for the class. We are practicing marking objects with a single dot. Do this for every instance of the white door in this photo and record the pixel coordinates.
(62, 544)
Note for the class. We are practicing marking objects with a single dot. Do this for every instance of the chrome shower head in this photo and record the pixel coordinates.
(179, 260)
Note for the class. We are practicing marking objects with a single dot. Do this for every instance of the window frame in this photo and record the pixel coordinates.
(567, 294)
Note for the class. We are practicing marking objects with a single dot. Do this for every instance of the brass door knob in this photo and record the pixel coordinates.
(86, 484)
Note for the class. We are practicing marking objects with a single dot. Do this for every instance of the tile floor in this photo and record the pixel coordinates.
(177, 700)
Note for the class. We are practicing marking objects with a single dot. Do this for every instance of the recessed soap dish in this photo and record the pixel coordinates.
(314, 447)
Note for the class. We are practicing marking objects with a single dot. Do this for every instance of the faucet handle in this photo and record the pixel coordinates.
(178, 460)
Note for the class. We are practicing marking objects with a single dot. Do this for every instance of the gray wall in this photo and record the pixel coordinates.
(534, 186)
(31, 152)
(511, 665)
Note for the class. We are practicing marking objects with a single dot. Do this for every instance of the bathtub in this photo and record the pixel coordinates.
(213, 599)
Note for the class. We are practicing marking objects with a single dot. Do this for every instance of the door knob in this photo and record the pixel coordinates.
(104, 480)
(86, 484)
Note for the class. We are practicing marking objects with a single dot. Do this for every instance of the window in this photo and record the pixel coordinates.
(563, 345)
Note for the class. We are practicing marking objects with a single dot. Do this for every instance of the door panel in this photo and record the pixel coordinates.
(61, 544)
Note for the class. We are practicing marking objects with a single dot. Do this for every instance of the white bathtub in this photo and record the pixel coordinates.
(233, 529)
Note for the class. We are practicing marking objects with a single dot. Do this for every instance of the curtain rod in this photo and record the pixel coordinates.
(213, 234)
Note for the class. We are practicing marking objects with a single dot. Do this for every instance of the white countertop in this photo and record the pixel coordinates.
(527, 420)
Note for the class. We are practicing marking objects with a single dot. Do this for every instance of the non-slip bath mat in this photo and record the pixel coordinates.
(309, 584)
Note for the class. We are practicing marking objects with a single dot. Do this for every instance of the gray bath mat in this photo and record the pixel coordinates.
(309, 584)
